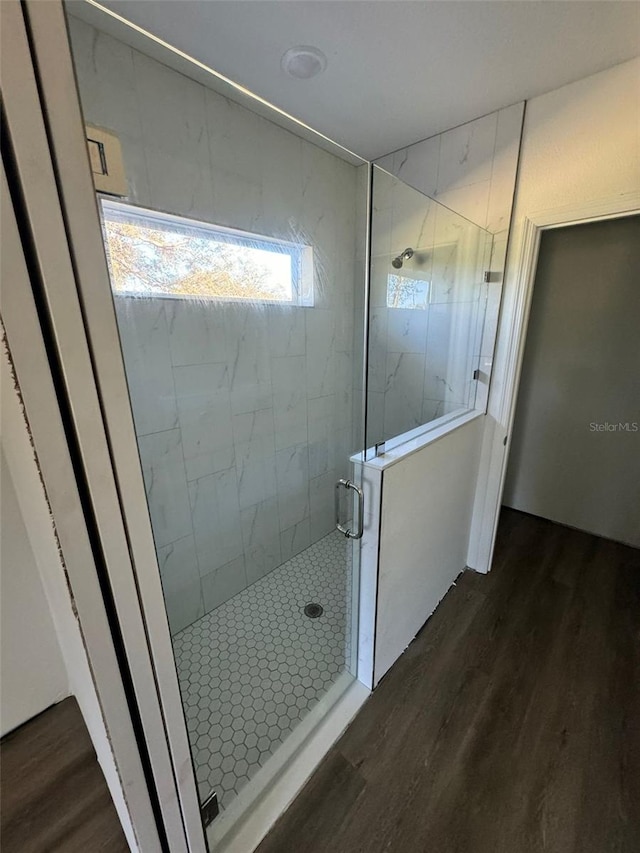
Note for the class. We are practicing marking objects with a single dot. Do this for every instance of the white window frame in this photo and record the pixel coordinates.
(300, 253)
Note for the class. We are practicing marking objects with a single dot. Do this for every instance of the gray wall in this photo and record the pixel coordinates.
(244, 414)
(570, 461)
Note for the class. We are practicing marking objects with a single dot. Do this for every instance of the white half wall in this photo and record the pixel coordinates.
(580, 152)
(427, 499)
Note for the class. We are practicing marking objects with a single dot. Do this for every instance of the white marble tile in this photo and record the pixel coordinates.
(287, 334)
(321, 378)
(292, 468)
(407, 330)
(414, 218)
(260, 524)
(135, 168)
(249, 398)
(178, 564)
(166, 485)
(436, 380)
(106, 79)
(184, 605)
(380, 270)
(402, 399)
(375, 418)
(262, 559)
(345, 324)
(295, 539)
(248, 346)
(505, 164)
(321, 497)
(466, 154)
(471, 201)
(445, 283)
(458, 259)
(432, 410)
(254, 436)
(283, 180)
(377, 348)
(216, 519)
(416, 165)
(344, 391)
(179, 185)
(237, 202)
(172, 111)
(233, 132)
(381, 222)
(197, 381)
(321, 435)
(453, 337)
(145, 347)
(256, 481)
(196, 332)
(289, 401)
(204, 408)
(222, 584)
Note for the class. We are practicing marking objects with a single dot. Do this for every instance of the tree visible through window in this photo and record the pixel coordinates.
(406, 292)
(152, 254)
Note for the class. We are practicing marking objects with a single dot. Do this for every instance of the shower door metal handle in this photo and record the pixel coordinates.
(350, 534)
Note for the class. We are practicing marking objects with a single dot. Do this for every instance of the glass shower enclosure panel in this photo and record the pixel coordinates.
(237, 272)
(427, 305)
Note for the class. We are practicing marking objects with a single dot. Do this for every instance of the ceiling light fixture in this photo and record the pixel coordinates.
(303, 61)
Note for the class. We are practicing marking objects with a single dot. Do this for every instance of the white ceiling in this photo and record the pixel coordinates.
(399, 70)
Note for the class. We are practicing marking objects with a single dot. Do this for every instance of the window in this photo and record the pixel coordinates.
(406, 292)
(156, 254)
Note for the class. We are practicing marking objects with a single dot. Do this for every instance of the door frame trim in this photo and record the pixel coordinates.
(520, 275)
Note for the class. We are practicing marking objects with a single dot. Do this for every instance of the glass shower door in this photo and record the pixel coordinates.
(236, 263)
(428, 302)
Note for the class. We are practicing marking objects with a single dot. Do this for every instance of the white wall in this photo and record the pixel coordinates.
(33, 672)
(580, 151)
(580, 371)
(244, 414)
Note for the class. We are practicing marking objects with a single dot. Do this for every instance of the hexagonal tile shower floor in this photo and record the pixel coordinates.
(251, 669)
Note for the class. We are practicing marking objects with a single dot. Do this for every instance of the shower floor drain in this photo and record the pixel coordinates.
(313, 610)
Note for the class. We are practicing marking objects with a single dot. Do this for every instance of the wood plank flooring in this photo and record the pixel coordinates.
(54, 796)
(510, 725)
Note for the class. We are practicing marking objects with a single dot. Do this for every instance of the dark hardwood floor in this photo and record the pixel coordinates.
(510, 725)
(54, 796)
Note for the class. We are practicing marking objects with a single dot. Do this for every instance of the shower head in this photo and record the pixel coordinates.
(397, 263)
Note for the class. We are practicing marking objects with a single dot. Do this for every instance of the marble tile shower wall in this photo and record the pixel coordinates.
(471, 170)
(244, 413)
